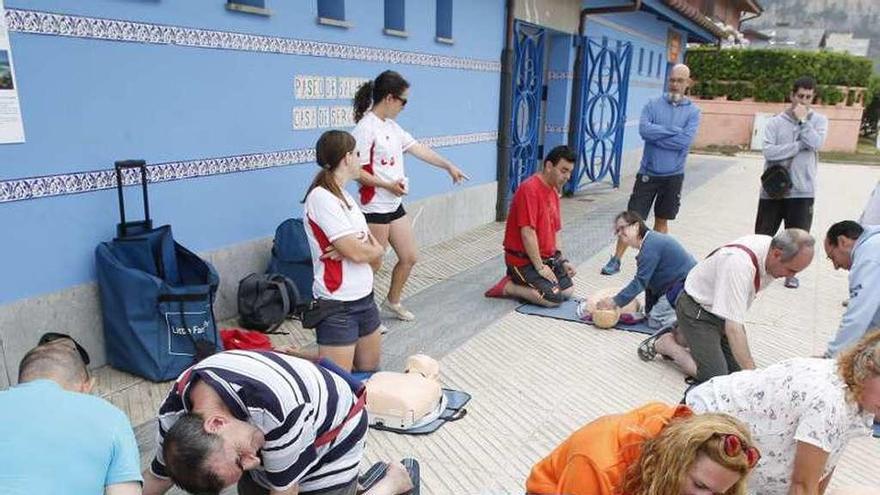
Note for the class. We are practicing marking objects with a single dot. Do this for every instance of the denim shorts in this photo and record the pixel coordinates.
(354, 320)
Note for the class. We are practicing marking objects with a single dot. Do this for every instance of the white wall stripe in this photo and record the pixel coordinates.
(48, 23)
(96, 180)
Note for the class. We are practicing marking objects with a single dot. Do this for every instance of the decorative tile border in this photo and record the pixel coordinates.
(555, 75)
(96, 180)
(37, 22)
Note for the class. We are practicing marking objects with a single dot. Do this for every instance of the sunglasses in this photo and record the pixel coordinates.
(53, 336)
(402, 100)
(734, 446)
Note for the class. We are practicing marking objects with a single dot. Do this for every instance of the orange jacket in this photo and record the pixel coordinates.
(593, 460)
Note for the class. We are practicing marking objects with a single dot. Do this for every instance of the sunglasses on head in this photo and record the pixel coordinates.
(734, 446)
(54, 336)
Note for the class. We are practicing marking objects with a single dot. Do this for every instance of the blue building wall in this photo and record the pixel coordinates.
(87, 102)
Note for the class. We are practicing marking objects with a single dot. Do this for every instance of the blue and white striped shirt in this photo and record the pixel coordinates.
(292, 401)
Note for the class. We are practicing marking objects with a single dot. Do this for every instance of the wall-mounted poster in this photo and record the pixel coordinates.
(11, 129)
(673, 46)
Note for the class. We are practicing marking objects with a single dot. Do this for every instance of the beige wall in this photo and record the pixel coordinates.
(731, 122)
(561, 15)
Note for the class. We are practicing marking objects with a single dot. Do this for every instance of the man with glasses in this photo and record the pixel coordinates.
(55, 437)
(717, 295)
(856, 248)
(792, 141)
(668, 125)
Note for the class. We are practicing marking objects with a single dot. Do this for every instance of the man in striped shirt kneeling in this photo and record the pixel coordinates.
(274, 424)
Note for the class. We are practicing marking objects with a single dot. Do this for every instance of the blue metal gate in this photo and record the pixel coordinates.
(528, 88)
(602, 112)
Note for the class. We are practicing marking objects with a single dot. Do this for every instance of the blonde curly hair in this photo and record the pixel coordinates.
(666, 459)
(860, 363)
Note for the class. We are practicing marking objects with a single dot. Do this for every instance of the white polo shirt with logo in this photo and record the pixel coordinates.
(328, 219)
(381, 144)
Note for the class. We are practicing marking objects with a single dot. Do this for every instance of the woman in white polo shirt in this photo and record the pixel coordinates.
(382, 143)
(342, 249)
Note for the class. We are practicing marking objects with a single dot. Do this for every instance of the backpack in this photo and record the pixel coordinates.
(292, 257)
(264, 301)
(776, 179)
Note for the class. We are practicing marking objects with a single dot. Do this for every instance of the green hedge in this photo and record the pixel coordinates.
(767, 74)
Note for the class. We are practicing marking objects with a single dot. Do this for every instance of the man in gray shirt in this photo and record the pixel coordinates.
(792, 140)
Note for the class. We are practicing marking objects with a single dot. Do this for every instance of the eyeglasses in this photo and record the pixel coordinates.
(402, 100)
(734, 446)
(50, 337)
(618, 229)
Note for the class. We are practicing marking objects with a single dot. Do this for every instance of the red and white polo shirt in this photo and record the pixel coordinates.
(381, 144)
(326, 220)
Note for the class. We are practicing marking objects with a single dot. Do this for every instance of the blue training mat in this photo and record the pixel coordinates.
(568, 311)
(455, 402)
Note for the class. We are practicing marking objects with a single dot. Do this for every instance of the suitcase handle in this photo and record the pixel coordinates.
(147, 222)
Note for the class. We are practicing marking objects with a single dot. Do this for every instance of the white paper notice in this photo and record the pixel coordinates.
(11, 129)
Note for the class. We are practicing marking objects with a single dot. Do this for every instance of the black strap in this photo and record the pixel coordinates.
(147, 222)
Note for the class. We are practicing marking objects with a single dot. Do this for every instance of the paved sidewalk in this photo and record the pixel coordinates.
(535, 380)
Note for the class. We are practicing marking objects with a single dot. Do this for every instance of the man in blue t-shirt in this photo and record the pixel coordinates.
(668, 126)
(55, 437)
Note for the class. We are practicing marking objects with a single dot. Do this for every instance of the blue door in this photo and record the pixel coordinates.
(602, 113)
(528, 89)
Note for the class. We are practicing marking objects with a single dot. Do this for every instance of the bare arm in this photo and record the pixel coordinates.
(809, 464)
(371, 180)
(357, 250)
(425, 153)
(129, 488)
(153, 485)
(294, 490)
(823, 485)
(739, 345)
(530, 243)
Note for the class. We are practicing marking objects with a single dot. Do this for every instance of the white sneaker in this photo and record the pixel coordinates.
(398, 311)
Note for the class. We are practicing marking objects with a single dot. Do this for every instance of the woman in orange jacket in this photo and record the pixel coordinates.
(653, 450)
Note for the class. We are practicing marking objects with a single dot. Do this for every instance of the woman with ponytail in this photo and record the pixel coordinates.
(382, 143)
(653, 450)
(342, 249)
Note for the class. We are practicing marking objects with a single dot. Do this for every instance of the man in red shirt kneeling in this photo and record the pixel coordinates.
(538, 272)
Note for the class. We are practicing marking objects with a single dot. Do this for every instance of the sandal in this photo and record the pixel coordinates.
(646, 350)
(372, 476)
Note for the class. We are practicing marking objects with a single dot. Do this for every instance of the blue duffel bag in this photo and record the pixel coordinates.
(156, 296)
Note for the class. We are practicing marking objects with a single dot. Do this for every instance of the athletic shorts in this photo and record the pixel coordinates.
(528, 276)
(663, 193)
(355, 319)
(385, 218)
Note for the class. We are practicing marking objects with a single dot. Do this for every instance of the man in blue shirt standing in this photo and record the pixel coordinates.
(55, 437)
(668, 126)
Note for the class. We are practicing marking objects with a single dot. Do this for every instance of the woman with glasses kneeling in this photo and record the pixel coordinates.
(663, 265)
(802, 413)
(653, 450)
(342, 249)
